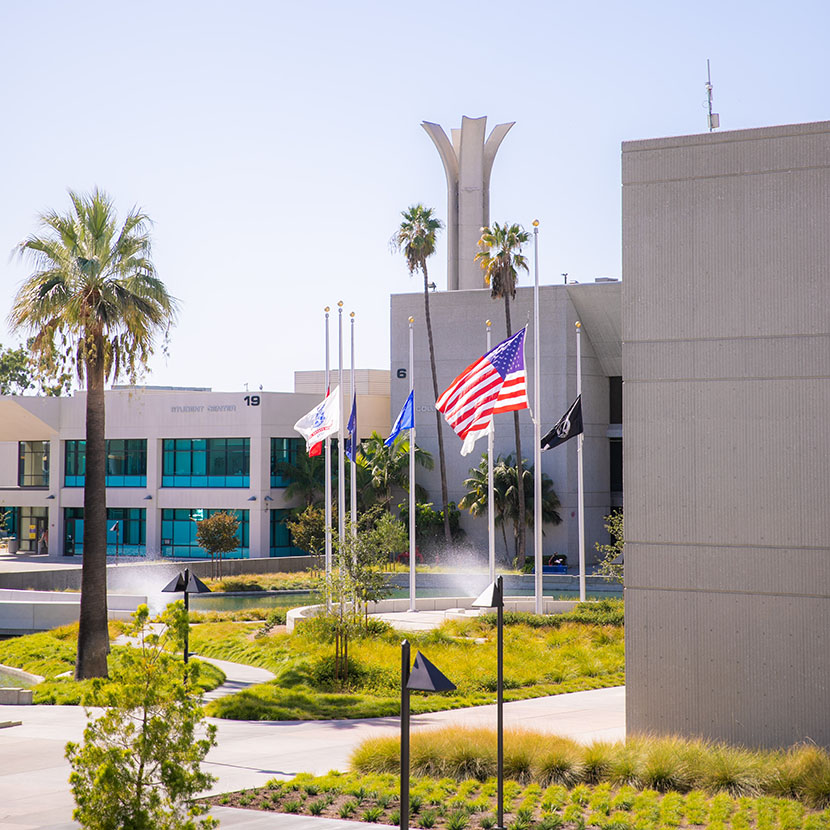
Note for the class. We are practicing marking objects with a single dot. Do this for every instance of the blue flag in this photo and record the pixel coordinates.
(406, 420)
(352, 428)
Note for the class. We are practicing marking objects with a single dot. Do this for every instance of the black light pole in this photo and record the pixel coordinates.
(187, 583)
(493, 597)
(425, 677)
(404, 819)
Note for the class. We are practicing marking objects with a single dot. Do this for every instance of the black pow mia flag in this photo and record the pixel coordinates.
(569, 425)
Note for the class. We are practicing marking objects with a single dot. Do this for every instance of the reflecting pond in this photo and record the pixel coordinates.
(222, 602)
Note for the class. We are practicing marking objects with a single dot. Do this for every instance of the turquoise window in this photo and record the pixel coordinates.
(281, 542)
(126, 531)
(206, 462)
(126, 463)
(178, 533)
(33, 464)
(287, 450)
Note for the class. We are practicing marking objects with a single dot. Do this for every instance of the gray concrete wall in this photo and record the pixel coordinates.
(726, 365)
(458, 321)
(44, 578)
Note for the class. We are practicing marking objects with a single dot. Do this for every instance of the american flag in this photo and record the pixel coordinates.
(496, 382)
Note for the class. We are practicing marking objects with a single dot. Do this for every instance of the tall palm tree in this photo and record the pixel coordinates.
(501, 259)
(93, 303)
(416, 238)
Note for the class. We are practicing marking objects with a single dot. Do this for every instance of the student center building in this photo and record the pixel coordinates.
(174, 456)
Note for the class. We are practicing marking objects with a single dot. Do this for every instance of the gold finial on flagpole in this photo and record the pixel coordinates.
(535, 223)
(488, 323)
(411, 320)
(340, 303)
(352, 315)
(578, 324)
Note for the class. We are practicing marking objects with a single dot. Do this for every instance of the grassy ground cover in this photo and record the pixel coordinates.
(295, 581)
(275, 616)
(566, 657)
(447, 804)
(52, 653)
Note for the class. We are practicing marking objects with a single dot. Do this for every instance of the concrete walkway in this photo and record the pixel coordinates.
(34, 792)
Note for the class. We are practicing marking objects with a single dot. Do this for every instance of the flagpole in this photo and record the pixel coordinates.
(580, 485)
(537, 431)
(491, 511)
(341, 479)
(353, 489)
(412, 550)
(328, 469)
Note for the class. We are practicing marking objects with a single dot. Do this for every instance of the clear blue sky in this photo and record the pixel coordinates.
(274, 144)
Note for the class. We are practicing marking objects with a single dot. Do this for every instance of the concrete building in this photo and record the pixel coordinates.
(468, 162)
(458, 320)
(726, 360)
(173, 455)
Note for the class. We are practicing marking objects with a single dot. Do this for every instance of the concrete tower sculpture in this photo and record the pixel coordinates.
(468, 160)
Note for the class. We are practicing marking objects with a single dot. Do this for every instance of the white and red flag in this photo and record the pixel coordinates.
(496, 382)
(322, 422)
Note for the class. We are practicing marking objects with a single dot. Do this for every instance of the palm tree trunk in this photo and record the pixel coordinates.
(520, 538)
(441, 462)
(93, 638)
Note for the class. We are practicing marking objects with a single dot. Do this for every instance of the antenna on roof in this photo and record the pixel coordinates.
(714, 118)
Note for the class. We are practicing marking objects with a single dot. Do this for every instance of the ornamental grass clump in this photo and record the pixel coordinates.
(663, 764)
(560, 761)
(803, 772)
(734, 770)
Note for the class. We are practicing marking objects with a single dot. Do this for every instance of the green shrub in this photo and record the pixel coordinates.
(372, 814)
(427, 819)
(347, 809)
(457, 820)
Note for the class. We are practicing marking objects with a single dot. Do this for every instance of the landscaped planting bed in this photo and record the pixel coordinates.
(656, 763)
(561, 655)
(447, 804)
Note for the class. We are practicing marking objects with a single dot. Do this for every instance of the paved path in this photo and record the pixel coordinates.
(33, 772)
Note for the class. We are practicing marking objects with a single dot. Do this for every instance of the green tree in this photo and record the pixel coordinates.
(93, 304)
(217, 535)
(364, 555)
(416, 238)
(308, 529)
(306, 477)
(475, 500)
(506, 497)
(501, 259)
(139, 764)
(611, 565)
(388, 467)
(15, 371)
(429, 527)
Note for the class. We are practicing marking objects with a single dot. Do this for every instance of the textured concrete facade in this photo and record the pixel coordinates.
(726, 363)
(458, 322)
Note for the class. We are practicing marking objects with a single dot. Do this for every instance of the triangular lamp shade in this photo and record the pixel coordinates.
(196, 586)
(176, 585)
(490, 597)
(426, 677)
